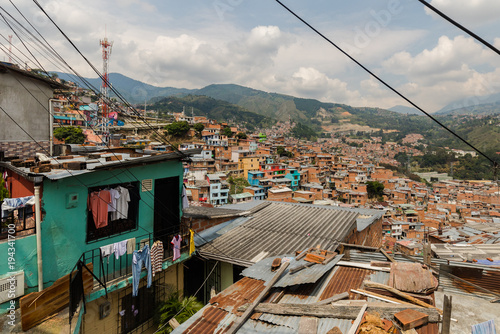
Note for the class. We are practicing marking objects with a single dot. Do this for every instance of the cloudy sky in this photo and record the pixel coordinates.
(258, 44)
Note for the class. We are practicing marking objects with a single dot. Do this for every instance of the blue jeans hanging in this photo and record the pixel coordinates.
(140, 258)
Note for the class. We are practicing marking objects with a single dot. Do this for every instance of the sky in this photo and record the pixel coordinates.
(258, 44)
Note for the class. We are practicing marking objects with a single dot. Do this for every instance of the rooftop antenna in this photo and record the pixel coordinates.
(106, 52)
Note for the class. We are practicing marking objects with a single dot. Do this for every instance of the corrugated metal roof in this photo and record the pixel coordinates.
(262, 271)
(326, 324)
(345, 279)
(216, 231)
(240, 293)
(283, 228)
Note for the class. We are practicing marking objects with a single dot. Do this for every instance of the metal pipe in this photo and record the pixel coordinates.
(38, 225)
(51, 127)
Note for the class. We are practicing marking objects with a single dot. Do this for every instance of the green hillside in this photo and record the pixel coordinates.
(215, 109)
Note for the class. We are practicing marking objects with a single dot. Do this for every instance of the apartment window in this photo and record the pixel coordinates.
(118, 222)
(23, 219)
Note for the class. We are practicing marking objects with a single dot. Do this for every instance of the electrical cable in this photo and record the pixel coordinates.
(183, 154)
(458, 25)
(103, 78)
(386, 84)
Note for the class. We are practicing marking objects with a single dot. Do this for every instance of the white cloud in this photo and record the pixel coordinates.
(475, 12)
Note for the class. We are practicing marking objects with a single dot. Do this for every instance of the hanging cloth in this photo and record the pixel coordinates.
(185, 201)
(191, 242)
(157, 257)
(176, 243)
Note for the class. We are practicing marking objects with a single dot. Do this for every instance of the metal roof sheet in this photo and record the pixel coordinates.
(262, 271)
(283, 228)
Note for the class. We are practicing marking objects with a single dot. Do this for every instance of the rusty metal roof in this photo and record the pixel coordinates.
(345, 279)
(221, 313)
(240, 293)
(411, 277)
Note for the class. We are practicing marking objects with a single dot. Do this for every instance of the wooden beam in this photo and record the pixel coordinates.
(357, 322)
(390, 258)
(239, 322)
(374, 249)
(332, 299)
(380, 297)
(308, 325)
(406, 296)
(445, 329)
(362, 265)
(339, 311)
(303, 253)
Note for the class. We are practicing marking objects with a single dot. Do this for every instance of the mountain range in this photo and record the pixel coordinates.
(256, 108)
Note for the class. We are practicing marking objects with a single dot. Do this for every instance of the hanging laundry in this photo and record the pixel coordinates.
(106, 251)
(176, 242)
(5, 175)
(130, 245)
(120, 248)
(139, 259)
(157, 257)
(191, 242)
(98, 203)
(185, 201)
(121, 205)
(114, 194)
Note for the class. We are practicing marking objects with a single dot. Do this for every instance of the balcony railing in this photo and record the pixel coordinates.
(112, 269)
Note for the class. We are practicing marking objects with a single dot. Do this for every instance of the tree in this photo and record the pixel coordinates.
(227, 132)
(70, 135)
(237, 185)
(241, 135)
(375, 189)
(198, 127)
(4, 193)
(181, 308)
(177, 129)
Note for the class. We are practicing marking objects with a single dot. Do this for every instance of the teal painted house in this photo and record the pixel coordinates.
(294, 175)
(69, 233)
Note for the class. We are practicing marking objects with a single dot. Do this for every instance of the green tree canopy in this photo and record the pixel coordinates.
(181, 308)
(4, 193)
(199, 127)
(375, 189)
(241, 135)
(70, 135)
(227, 132)
(177, 129)
(237, 185)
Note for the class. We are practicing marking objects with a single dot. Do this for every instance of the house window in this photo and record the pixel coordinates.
(23, 219)
(125, 222)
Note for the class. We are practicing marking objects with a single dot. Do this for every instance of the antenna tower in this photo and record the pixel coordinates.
(106, 52)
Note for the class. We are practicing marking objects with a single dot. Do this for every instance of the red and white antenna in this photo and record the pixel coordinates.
(106, 52)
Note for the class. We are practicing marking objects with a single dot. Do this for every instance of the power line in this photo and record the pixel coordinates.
(495, 164)
(102, 78)
(458, 25)
(62, 59)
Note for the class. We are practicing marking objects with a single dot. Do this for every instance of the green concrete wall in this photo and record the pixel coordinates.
(226, 275)
(64, 230)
